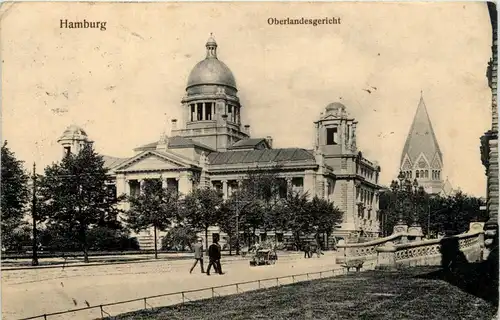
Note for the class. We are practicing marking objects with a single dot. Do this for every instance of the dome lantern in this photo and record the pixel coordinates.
(211, 46)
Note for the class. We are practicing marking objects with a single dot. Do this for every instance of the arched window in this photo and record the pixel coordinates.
(411, 174)
(427, 173)
(416, 174)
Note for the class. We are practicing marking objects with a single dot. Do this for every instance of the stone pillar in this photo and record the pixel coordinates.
(121, 185)
(289, 184)
(185, 184)
(142, 182)
(224, 189)
(203, 110)
(326, 188)
(309, 183)
(353, 140)
(386, 257)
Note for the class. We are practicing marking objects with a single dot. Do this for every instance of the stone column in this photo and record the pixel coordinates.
(326, 189)
(224, 189)
(142, 182)
(309, 183)
(185, 184)
(164, 183)
(289, 184)
(121, 185)
(203, 110)
(353, 140)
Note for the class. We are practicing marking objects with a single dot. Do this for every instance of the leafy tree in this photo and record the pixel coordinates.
(155, 207)
(297, 216)
(260, 200)
(76, 196)
(14, 194)
(324, 217)
(179, 238)
(436, 214)
(228, 220)
(201, 209)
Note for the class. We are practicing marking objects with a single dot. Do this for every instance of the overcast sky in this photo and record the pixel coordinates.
(125, 84)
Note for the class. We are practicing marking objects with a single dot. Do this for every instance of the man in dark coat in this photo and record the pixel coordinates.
(214, 257)
(198, 255)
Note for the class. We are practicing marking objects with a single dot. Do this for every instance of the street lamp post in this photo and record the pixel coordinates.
(34, 260)
(415, 230)
(398, 190)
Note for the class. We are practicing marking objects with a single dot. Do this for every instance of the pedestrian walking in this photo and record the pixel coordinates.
(214, 257)
(198, 255)
(307, 250)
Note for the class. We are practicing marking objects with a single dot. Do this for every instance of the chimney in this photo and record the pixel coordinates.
(247, 129)
(174, 124)
(269, 140)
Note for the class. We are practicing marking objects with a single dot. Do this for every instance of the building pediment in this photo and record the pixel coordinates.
(155, 161)
(407, 164)
(422, 162)
(436, 163)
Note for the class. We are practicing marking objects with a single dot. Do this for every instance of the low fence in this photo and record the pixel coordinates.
(181, 297)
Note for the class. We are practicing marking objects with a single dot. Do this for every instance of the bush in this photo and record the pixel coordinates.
(58, 239)
(18, 239)
(179, 238)
(107, 239)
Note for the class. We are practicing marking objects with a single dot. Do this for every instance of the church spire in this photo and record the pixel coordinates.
(421, 140)
(211, 46)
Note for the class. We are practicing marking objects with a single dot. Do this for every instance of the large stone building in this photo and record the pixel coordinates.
(489, 141)
(422, 158)
(214, 149)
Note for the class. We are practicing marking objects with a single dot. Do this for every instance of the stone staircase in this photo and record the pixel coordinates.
(147, 241)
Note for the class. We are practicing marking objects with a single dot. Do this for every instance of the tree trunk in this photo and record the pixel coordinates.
(85, 247)
(206, 239)
(156, 243)
(253, 235)
(230, 245)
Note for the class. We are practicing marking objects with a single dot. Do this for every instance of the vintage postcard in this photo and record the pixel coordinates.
(249, 160)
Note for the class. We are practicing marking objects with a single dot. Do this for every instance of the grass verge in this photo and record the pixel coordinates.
(367, 295)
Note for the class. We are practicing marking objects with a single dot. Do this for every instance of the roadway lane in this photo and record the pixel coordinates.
(37, 291)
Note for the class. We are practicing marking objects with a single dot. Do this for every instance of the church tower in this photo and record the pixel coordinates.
(422, 158)
(73, 140)
(212, 109)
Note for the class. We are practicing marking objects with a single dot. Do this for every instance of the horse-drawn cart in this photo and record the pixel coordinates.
(264, 257)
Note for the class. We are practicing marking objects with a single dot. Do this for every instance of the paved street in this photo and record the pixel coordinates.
(32, 292)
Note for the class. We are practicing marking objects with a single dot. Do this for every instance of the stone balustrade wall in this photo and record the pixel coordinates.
(434, 252)
(366, 251)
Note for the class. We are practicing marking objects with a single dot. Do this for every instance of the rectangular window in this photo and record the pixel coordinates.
(199, 110)
(208, 111)
(192, 112)
(331, 136)
(230, 112)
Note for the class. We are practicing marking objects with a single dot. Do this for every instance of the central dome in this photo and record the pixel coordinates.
(211, 71)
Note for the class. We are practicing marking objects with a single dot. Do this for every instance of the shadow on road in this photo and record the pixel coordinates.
(479, 279)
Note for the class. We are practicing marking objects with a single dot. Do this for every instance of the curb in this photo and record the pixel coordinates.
(78, 265)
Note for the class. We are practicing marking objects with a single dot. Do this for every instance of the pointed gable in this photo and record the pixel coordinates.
(421, 138)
